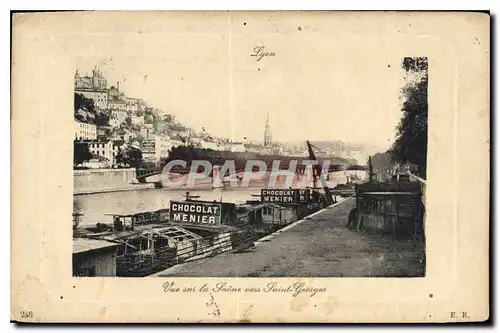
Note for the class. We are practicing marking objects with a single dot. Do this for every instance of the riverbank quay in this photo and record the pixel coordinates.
(320, 245)
(130, 187)
(90, 181)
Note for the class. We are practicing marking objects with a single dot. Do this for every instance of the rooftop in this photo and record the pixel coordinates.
(81, 245)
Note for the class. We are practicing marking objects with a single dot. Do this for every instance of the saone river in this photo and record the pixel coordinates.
(97, 207)
(94, 207)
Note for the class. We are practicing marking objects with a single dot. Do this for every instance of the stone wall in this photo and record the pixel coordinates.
(103, 180)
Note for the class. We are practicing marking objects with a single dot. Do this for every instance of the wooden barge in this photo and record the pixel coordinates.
(145, 243)
(396, 207)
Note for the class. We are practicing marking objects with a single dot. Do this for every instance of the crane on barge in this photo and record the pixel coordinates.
(317, 173)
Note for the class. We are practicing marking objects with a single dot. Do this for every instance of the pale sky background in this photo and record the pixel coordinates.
(330, 87)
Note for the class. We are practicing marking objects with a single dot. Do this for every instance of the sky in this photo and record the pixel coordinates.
(321, 87)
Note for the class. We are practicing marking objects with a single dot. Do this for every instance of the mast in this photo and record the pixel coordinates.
(317, 173)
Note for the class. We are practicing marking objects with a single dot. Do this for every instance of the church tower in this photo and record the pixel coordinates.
(267, 133)
(77, 77)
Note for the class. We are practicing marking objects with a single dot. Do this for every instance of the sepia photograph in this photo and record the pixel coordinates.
(255, 191)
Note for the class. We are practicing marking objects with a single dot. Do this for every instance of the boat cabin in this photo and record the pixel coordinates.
(126, 222)
(394, 206)
(265, 213)
(94, 257)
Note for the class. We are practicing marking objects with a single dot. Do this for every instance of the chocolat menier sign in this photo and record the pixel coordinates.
(284, 196)
(205, 214)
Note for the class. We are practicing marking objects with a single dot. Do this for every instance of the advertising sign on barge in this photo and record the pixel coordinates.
(281, 196)
(196, 213)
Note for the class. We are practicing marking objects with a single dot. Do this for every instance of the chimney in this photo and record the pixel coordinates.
(118, 86)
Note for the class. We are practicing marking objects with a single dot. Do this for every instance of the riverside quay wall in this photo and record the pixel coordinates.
(105, 180)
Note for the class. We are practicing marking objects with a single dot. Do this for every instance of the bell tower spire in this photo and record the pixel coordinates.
(267, 132)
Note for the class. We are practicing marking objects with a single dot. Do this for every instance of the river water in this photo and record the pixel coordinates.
(97, 207)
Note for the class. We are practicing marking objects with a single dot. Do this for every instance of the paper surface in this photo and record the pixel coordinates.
(202, 69)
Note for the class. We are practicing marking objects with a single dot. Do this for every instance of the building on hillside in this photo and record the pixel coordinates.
(84, 131)
(117, 117)
(93, 87)
(178, 132)
(122, 134)
(237, 147)
(253, 148)
(104, 130)
(132, 108)
(117, 105)
(96, 81)
(148, 149)
(114, 94)
(114, 122)
(137, 120)
(118, 134)
(103, 149)
(147, 131)
(100, 98)
(107, 149)
(163, 145)
(129, 136)
(208, 145)
(161, 126)
(133, 104)
(96, 163)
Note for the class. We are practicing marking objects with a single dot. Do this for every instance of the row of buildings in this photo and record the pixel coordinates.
(128, 125)
(104, 142)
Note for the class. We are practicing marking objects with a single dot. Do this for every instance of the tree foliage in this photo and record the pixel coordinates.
(82, 102)
(81, 152)
(381, 161)
(129, 156)
(102, 119)
(86, 111)
(410, 145)
(128, 121)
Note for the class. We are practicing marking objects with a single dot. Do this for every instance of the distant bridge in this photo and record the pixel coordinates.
(143, 173)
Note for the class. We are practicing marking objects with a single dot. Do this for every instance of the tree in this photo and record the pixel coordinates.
(133, 157)
(82, 102)
(81, 152)
(128, 122)
(370, 167)
(102, 119)
(410, 145)
(381, 161)
(169, 118)
(119, 157)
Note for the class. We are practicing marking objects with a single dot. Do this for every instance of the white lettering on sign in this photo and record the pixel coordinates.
(195, 213)
(278, 199)
(278, 192)
(189, 208)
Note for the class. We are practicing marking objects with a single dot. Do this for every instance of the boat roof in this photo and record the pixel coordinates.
(163, 210)
(81, 245)
(391, 187)
(216, 230)
(251, 208)
(388, 193)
